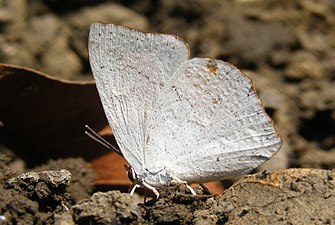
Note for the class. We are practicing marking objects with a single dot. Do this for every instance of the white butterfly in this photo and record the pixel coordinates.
(195, 119)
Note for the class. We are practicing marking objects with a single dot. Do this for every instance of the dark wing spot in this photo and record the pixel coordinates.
(212, 67)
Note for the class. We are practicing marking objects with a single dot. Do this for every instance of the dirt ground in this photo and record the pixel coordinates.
(285, 47)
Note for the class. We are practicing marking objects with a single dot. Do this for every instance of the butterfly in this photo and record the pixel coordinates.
(198, 120)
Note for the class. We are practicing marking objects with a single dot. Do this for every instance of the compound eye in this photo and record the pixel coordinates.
(130, 173)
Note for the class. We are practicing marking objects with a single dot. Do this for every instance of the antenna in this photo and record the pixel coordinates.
(96, 137)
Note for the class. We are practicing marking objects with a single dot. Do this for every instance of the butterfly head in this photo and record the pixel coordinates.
(131, 173)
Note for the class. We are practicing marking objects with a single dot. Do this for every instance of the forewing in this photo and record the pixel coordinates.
(130, 68)
(210, 124)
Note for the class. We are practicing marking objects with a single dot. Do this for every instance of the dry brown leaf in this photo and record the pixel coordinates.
(43, 117)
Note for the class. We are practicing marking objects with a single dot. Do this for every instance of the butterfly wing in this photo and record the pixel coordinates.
(209, 124)
(130, 69)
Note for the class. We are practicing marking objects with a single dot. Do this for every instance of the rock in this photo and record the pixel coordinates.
(82, 176)
(17, 209)
(176, 205)
(63, 219)
(293, 196)
(48, 188)
(110, 207)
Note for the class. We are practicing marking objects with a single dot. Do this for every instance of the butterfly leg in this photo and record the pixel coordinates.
(134, 188)
(176, 179)
(207, 191)
(154, 190)
(145, 184)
